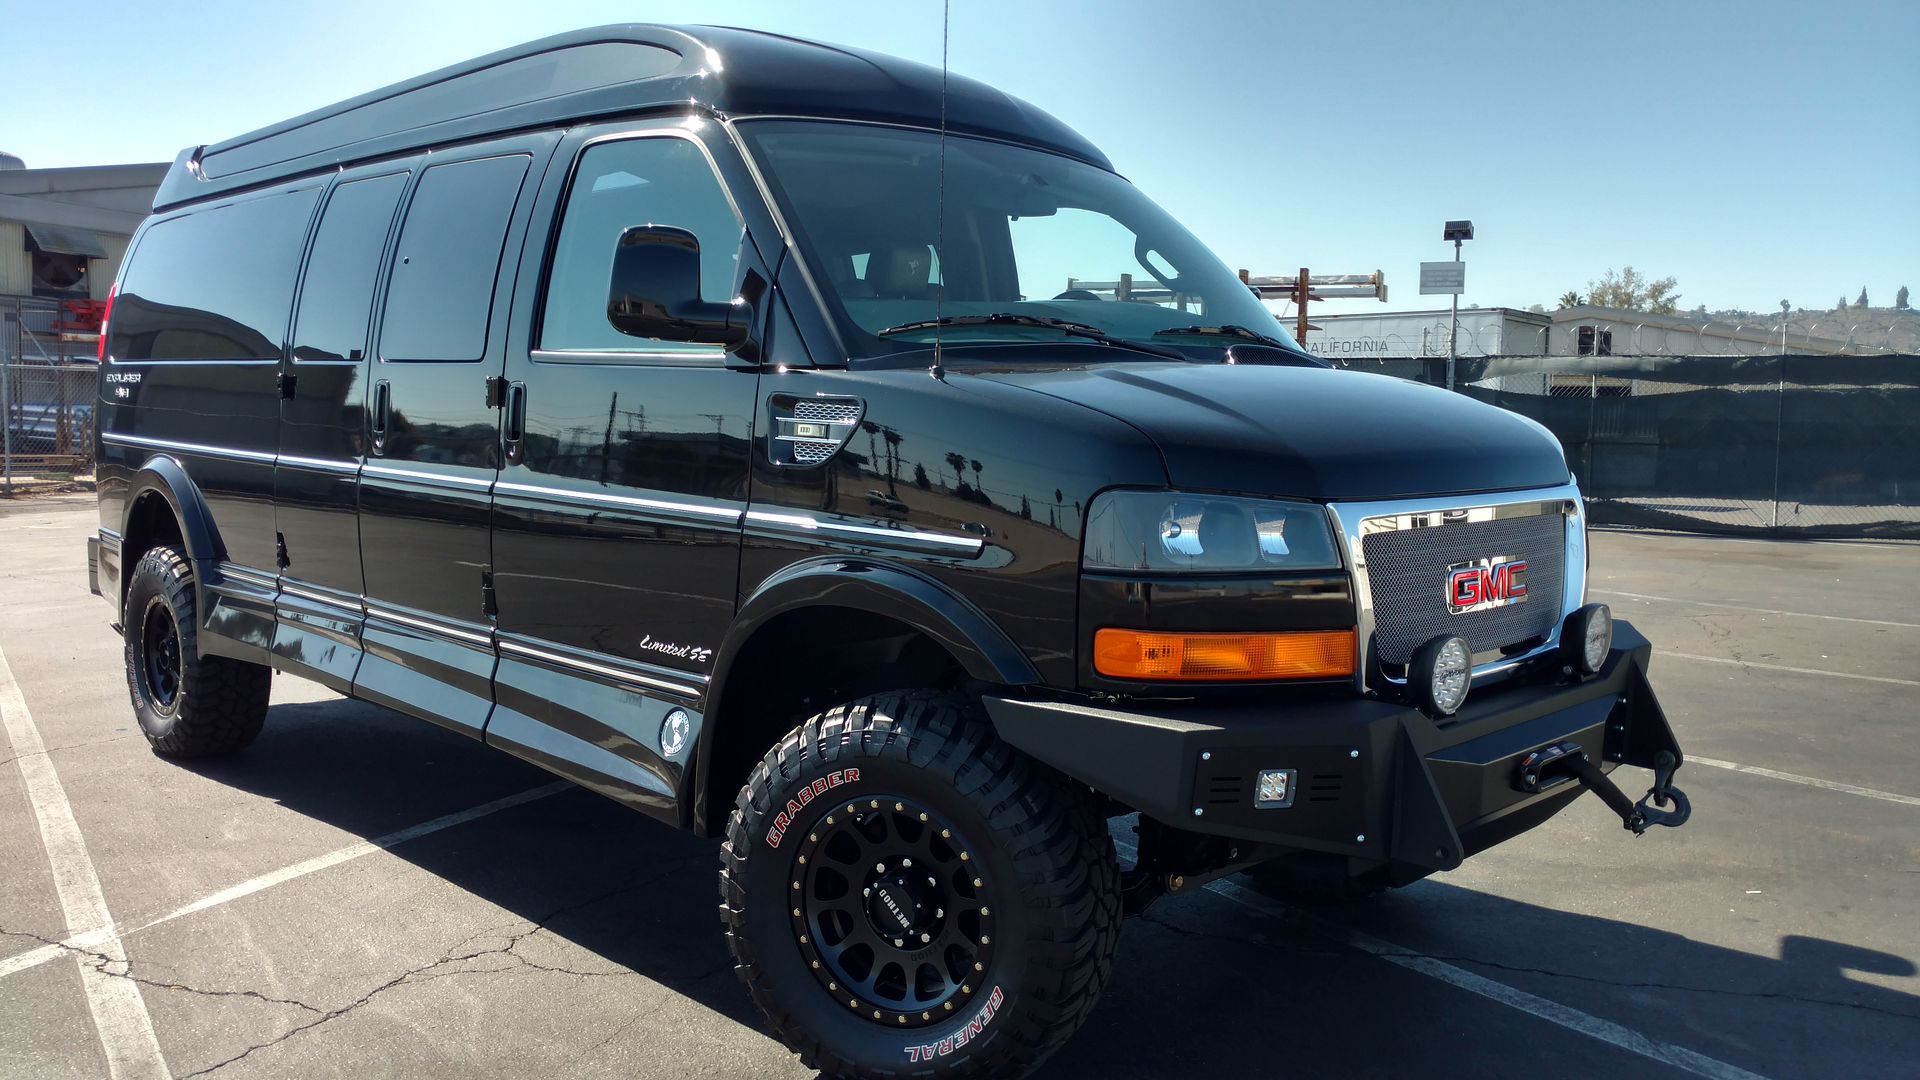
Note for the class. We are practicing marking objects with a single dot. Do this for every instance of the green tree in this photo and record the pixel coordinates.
(1571, 298)
(1862, 302)
(1900, 298)
(1840, 304)
(1630, 290)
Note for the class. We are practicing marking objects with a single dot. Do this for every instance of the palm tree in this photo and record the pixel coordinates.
(1572, 298)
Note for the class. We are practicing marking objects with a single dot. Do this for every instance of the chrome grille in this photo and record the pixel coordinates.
(1407, 568)
(832, 412)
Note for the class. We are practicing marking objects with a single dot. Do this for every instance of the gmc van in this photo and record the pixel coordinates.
(847, 463)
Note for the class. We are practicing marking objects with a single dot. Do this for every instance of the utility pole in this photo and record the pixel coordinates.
(1309, 286)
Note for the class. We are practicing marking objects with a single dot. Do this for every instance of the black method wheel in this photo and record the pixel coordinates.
(187, 704)
(905, 894)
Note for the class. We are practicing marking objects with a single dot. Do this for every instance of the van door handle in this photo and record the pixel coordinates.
(382, 412)
(516, 422)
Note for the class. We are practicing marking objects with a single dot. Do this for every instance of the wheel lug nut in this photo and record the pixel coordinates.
(899, 806)
(816, 965)
(923, 817)
(879, 868)
(946, 834)
(985, 940)
(924, 938)
(906, 862)
(977, 883)
(984, 911)
(940, 913)
(866, 892)
(899, 944)
(948, 1006)
(874, 803)
(977, 966)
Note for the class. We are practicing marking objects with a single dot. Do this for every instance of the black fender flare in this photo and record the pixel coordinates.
(982, 648)
(164, 478)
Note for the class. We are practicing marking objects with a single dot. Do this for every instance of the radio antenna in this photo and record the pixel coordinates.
(940, 212)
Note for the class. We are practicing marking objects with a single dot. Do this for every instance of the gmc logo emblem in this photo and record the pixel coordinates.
(1486, 583)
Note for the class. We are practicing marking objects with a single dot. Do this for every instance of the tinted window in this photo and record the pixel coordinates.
(213, 284)
(656, 181)
(338, 293)
(441, 293)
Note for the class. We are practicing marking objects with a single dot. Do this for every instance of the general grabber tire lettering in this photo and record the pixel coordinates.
(188, 705)
(906, 895)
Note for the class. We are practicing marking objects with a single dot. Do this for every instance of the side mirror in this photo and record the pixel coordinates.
(655, 292)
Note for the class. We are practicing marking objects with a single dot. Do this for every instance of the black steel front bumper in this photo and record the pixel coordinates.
(1377, 781)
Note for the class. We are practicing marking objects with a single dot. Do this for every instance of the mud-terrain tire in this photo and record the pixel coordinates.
(188, 705)
(1043, 913)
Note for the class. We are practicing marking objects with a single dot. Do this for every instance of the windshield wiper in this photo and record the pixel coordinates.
(1227, 330)
(1010, 318)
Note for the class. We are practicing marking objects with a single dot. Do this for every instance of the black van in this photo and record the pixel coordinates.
(812, 452)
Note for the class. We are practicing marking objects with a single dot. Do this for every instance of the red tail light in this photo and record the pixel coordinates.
(106, 316)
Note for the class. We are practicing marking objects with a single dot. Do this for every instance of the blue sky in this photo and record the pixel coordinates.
(1756, 151)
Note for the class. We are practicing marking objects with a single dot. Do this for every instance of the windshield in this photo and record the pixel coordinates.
(1027, 233)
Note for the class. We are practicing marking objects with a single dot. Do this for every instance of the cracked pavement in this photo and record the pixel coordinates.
(1779, 932)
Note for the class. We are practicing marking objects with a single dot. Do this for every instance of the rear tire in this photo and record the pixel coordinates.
(188, 705)
(1020, 906)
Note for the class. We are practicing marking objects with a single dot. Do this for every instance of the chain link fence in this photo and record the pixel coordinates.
(47, 388)
(1776, 445)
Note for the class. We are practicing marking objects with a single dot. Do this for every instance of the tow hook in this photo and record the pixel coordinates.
(1552, 766)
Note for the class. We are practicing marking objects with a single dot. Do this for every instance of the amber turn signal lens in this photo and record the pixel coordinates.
(1150, 654)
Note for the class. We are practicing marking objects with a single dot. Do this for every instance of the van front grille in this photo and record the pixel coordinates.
(1407, 574)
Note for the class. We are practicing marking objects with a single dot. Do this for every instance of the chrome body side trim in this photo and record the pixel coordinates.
(342, 601)
(1353, 522)
(421, 476)
(246, 575)
(617, 673)
(145, 442)
(728, 514)
(347, 468)
(796, 524)
(430, 625)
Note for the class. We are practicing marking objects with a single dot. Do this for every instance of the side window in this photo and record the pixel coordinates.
(213, 284)
(440, 297)
(338, 295)
(648, 181)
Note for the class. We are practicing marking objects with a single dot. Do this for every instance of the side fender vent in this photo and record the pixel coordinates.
(809, 430)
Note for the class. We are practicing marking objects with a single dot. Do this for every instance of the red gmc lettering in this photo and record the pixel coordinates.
(803, 798)
(1481, 584)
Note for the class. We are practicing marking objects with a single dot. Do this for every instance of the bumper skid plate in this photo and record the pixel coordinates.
(1375, 781)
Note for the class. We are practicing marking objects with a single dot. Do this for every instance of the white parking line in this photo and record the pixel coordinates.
(1514, 998)
(88, 942)
(1532, 1004)
(1810, 781)
(119, 1012)
(1784, 667)
(1755, 610)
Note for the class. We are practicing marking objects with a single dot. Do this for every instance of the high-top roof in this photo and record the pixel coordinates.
(607, 71)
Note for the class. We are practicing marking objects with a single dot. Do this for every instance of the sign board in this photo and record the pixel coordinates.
(1445, 278)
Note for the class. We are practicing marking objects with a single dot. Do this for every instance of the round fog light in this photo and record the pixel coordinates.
(1588, 637)
(1439, 675)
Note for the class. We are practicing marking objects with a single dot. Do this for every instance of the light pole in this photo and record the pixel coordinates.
(1456, 231)
(1784, 309)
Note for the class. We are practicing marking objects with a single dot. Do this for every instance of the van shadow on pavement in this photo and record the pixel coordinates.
(1202, 987)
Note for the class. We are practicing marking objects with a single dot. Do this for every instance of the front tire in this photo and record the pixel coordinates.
(904, 893)
(188, 705)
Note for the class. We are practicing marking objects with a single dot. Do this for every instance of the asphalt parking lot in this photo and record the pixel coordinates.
(365, 895)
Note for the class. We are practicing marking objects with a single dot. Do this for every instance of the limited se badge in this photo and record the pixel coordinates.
(673, 733)
(1486, 583)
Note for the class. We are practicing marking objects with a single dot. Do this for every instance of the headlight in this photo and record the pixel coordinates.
(1162, 530)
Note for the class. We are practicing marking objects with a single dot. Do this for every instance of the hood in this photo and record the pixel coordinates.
(1308, 432)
